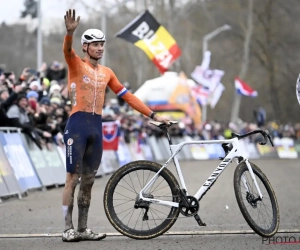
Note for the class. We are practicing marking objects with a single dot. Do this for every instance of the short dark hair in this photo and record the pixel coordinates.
(83, 50)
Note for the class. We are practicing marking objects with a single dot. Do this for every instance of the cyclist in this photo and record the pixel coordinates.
(87, 81)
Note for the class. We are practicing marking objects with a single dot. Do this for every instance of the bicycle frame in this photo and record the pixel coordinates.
(176, 148)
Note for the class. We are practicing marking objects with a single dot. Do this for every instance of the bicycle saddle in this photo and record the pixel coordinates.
(161, 124)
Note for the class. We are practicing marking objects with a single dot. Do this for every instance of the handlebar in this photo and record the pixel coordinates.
(264, 133)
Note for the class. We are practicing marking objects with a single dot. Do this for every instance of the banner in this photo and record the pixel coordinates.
(111, 133)
(8, 178)
(151, 37)
(123, 153)
(285, 148)
(19, 161)
(266, 151)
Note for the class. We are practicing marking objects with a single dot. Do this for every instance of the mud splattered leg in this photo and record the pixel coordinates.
(68, 199)
(84, 200)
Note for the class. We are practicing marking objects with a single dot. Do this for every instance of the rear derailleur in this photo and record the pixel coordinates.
(139, 203)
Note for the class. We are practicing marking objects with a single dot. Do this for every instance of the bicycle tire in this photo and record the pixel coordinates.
(110, 211)
(239, 171)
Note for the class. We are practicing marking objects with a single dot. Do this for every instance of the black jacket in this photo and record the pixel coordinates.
(4, 106)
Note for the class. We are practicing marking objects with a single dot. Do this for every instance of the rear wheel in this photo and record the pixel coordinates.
(149, 220)
(261, 215)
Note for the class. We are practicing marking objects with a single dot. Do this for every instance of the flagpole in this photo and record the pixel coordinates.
(245, 63)
(236, 107)
(206, 38)
(39, 60)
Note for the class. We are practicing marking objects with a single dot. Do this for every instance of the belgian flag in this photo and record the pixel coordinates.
(147, 34)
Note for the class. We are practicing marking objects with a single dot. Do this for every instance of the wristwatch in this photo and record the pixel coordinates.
(152, 115)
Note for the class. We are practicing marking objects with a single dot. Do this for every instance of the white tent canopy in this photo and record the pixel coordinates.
(160, 89)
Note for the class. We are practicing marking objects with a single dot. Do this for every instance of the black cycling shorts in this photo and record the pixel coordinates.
(83, 140)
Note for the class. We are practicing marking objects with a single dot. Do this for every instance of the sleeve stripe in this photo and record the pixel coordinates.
(122, 92)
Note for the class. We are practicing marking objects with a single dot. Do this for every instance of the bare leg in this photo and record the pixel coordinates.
(84, 200)
(68, 198)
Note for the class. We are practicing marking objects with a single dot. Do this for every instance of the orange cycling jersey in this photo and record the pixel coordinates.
(87, 84)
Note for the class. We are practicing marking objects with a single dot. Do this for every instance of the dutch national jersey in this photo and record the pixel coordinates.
(87, 84)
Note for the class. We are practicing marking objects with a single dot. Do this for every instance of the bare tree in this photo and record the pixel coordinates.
(245, 60)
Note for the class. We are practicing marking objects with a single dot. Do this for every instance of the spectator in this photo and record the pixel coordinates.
(18, 116)
(6, 100)
(56, 71)
(32, 97)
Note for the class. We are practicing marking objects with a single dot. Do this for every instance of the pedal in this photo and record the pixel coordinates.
(199, 221)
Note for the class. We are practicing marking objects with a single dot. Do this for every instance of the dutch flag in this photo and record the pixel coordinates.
(243, 88)
(121, 92)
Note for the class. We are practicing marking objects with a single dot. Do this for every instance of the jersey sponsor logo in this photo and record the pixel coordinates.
(70, 141)
(73, 94)
(86, 79)
(69, 150)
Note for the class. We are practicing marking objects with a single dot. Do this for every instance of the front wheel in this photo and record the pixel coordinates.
(265, 210)
(145, 220)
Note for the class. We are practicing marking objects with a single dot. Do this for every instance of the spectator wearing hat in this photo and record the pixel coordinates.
(32, 97)
(55, 91)
(19, 118)
(56, 71)
(44, 88)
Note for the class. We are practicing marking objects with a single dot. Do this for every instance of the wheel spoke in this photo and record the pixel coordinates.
(123, 203)
(259, 213)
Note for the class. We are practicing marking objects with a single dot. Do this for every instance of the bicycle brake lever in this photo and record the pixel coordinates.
(264, 134)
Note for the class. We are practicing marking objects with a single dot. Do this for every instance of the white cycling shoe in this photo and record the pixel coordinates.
(70, 235)
(88, 234)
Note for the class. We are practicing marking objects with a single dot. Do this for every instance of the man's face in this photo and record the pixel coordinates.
(95, 49)
(23, 103)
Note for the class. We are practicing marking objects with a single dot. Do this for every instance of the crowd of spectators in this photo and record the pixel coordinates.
(37, 102)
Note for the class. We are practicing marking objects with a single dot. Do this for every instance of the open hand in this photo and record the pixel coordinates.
(71, 22)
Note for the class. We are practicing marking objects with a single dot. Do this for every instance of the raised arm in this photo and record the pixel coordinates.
(71, 25)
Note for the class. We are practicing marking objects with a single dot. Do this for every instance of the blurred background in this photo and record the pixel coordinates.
(260, 45)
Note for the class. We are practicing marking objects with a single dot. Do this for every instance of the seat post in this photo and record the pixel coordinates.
(168, 135)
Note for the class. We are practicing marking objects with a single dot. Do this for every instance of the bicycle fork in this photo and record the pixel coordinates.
(254, 180)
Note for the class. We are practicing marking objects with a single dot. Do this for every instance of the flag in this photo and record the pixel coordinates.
(151, 37)
(243, 88)
(216, 94)
(111, 135)
(201, 94)
(205, 76)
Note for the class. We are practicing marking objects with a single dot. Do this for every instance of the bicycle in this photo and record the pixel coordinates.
(143, 201)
